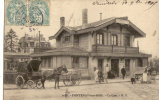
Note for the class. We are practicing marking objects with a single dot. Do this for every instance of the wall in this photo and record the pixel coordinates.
(60, 40)
(61, 60)
(92, 62)
(132, 66)
(145, 62)
(46, 63)
(90, 41)
(120, 31)
(83, 41)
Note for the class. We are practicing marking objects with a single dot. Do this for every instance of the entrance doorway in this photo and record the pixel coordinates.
(100, 64)
(115, 66)
(127, 66)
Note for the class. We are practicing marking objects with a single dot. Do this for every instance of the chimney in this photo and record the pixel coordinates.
(62, 21)
(100, 16)
(124, 18)
(84, 16)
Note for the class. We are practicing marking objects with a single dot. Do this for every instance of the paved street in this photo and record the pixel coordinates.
(116, 89)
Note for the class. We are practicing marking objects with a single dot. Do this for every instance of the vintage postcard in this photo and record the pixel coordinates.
(81, 50)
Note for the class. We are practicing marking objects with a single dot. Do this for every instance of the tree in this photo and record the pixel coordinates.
(155, 63)
(11, 41)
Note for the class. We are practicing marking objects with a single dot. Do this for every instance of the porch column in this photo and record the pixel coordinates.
(109, 38)
(105, 31)
(132, 66)
(131, 40)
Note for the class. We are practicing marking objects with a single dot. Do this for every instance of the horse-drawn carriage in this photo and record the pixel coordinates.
(29, 74)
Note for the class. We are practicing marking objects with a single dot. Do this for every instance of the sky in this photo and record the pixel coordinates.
(141, 14)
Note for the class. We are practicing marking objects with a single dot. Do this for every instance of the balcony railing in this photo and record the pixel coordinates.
(114, 49)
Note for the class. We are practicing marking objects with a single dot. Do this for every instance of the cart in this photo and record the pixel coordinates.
(28, 74)
(71, 78)
(144, 77)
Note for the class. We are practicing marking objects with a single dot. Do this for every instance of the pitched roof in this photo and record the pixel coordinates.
(98, 25)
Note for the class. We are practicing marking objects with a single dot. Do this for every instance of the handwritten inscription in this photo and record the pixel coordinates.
(125, 2)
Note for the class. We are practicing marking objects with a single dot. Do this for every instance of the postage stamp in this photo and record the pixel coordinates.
(39, 12)
(27, 12)
(16, 12)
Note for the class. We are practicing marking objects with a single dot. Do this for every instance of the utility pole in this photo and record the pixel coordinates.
(39, 41)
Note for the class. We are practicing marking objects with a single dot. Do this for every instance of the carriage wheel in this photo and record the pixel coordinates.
(67, 82)
(78, 81)
(30, 84)
(73, 81)
(20, 81)
(39, 84)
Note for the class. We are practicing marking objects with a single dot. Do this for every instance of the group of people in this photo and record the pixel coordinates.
(99, 76)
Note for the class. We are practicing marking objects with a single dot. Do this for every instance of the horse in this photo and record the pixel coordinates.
(55, 75)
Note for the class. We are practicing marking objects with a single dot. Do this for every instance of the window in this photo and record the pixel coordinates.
(67, 38)
(100, 38)
(139, 62)
(114, 40)
(25, 44)
(32, 44)
(127, 41)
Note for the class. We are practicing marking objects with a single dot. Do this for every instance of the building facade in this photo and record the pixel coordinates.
(29, 44)
(107, 44)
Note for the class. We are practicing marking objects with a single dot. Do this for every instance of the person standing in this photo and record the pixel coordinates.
(100, 76)
(123, 72)
(96, 74)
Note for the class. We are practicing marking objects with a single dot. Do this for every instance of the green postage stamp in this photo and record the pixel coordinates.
(27, 12)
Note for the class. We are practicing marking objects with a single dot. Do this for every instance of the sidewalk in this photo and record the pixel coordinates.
(83, 82)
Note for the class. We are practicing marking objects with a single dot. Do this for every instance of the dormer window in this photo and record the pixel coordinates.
(67, 38)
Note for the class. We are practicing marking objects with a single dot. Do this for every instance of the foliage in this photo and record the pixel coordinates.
(155, 63)
(11, 41)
